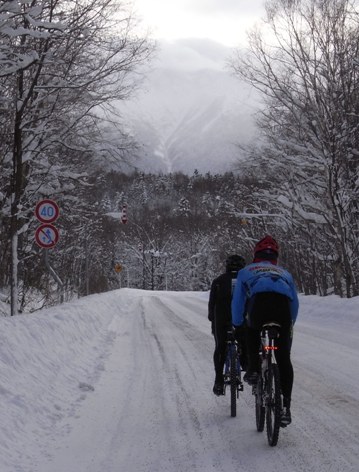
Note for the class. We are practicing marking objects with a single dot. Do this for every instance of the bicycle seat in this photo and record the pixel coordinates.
(271, 324)
(272, 328)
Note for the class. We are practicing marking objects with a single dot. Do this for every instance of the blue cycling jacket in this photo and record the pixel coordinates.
(261, 277)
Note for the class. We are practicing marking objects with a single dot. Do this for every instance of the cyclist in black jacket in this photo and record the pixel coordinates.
(220, 316)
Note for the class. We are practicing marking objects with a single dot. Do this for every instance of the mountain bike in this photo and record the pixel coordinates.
(232, 371)
(268, 402)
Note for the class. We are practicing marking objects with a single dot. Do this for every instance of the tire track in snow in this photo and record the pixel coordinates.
(153, 407)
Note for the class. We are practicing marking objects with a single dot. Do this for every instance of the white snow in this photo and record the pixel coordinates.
(122, 382)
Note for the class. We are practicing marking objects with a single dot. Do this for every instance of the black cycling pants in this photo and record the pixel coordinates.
(266, 307)
(219, 355)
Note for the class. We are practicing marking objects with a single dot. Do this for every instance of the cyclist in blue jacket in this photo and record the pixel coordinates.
(266, 292)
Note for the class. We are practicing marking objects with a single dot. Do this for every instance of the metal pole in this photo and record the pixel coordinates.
(54, 275)
(87, 278)
(128, 277)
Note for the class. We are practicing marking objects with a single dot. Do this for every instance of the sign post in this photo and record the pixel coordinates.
(47, 235)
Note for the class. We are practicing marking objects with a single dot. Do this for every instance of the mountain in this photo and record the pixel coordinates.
(193, 113)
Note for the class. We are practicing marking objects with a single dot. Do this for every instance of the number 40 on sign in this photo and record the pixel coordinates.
(47, 211)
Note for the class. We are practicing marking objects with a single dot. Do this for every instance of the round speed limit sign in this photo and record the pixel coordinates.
(47, 211)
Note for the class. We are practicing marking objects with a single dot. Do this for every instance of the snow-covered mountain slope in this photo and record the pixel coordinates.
(191, 115)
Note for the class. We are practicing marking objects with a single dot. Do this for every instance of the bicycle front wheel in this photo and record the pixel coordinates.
(273, 405)
(233, 372)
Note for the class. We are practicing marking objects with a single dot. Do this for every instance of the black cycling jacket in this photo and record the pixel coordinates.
(220, 298)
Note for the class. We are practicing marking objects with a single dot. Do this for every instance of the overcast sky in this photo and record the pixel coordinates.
(223, 21)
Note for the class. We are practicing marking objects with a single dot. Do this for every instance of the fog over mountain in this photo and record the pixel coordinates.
(191, 113)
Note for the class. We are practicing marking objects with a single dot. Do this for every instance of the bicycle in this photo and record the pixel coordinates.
(268, 402)
(232, 371)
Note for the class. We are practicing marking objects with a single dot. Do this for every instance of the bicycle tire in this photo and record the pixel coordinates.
(233, 374)
(273, 405)
(260, 409)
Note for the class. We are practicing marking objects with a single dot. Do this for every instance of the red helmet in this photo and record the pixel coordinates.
(266, 244)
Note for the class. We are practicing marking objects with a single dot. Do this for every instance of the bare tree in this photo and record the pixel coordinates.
(305, 63)
(62, 65)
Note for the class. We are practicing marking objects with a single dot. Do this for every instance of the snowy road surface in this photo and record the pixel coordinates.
(136, 393)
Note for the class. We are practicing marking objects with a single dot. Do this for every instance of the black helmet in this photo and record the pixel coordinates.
(234, 263)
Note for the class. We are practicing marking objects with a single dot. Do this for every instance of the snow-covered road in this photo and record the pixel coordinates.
(149, 407)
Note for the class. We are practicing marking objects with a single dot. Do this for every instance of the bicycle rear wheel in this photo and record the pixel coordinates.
(233, 372)
(273, 405)
(260, 409)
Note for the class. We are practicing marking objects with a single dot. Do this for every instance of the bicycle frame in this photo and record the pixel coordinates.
(268, 334)
(232, 371)
(231, 346)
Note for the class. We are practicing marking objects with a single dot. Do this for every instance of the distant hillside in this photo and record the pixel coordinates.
(193, 113)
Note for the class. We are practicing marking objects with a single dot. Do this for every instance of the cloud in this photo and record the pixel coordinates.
(224, 21)
(225, 7)
(192, 54)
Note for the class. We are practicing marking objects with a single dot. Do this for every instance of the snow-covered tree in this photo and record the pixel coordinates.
(62, 65)
(305, 61)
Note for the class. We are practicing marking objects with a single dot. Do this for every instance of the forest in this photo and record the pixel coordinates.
(178, 233)
(64, 64)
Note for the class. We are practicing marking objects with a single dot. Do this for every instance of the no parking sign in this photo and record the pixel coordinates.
(46, 236)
